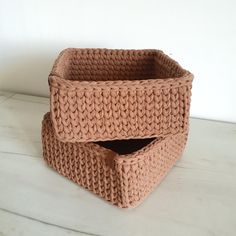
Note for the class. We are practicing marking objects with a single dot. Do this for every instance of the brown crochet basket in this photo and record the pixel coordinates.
(122, 172)
(101, 94)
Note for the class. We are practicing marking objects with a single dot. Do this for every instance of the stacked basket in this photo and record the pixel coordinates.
(118, 120)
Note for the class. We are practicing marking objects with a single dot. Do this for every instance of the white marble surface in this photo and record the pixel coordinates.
(198, 197)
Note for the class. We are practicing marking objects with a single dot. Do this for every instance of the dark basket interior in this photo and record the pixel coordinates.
(125, 146)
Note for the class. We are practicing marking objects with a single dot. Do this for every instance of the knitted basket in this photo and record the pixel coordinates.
(122, 172)
(101, 94)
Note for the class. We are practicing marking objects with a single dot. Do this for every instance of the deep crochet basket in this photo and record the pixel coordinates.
(101, 94)
(122, 172)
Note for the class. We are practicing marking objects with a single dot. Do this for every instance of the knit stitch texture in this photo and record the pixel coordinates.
(102, 94)
(124, 180)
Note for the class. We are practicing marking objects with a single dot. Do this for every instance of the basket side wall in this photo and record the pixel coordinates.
(83, 163)
(142, 173)
(119, 113)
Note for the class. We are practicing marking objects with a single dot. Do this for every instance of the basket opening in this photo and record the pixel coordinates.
(125, 146)
(104, 65)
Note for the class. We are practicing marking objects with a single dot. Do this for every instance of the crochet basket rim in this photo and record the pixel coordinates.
(56, 79)
(133, 155)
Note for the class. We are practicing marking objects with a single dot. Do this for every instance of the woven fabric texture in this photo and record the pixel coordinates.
(124, 180)
(101, 94)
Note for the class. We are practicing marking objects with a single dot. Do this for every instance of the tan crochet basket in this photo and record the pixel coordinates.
(122, 179)
(101, 94)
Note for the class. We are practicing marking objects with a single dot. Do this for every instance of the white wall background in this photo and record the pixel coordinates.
(200, 34)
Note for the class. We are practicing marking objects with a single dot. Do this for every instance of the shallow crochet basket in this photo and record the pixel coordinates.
(122, 172)
(101, 94)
